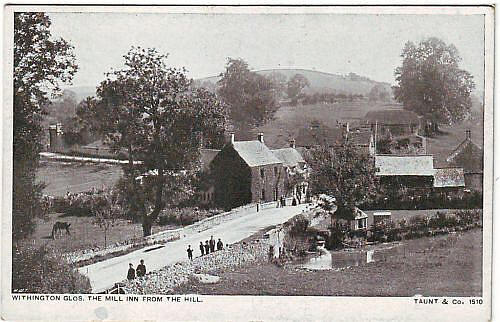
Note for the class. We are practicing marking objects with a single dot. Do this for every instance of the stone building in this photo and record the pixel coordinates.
(469, 156)
(246, 171)
(393, 122)
(296, 171)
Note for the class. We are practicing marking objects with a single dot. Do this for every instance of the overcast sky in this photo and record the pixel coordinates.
(368, 45)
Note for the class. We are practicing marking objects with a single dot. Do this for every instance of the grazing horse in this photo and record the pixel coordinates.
(58, 227)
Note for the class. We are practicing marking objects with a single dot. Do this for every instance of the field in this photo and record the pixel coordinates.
(61, 177)
(86, 235)
(289, 120)
(449, 265)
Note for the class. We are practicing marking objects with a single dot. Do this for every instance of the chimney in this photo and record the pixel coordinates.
(231, 137)
(260, 137)
(292, 143)
(347, 127)
(467, 134)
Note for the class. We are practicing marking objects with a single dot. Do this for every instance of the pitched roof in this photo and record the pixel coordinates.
(255, 153)
(394, 165)
(311, 136)
(289, 156)
(360, 136)
(468, 156)
(449, 177)
(392, 116)
(206, 156)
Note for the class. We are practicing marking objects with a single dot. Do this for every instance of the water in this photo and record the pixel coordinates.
(348, 258)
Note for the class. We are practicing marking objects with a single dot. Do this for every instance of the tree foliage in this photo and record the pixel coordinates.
(295, 86)
(251, 98)
(41, 63)
(343, 172)
(153, 112)
(106, 211)
(431, 83)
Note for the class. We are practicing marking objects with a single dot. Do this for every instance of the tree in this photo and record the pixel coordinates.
(106, 210)
(431, 84)
(153, 111)
(279, 82)
(345, 173)
(379, 93)
(41, 63)
(295, 86)
(250, 97)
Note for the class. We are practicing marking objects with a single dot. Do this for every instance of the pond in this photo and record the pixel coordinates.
(351, 257)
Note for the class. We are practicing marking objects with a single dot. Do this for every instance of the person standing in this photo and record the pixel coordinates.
(141, 269)
(202, 249)
(131, 272)
(207, 247)
(190, 253)
(220, 245)
(212, 244)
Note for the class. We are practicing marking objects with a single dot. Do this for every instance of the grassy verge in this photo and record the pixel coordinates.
(448, 265)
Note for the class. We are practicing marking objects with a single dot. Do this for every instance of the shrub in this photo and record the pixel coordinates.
(42, 270)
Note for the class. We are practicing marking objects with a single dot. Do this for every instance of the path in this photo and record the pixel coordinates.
(104, 274)
(63, 157)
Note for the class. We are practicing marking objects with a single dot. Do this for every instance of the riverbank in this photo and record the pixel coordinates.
(447, 265)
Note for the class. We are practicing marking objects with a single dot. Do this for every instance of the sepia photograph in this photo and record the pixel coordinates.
(207, 153)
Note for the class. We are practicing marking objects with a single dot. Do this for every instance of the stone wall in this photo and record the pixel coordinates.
(166, 279)
(169, 235)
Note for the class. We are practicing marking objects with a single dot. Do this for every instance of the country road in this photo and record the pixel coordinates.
(104, 274)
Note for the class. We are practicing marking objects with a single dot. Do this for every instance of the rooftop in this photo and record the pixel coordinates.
(395, 165)
(360, 136)
(289, 156)
(468, 156)
(206, 156)
(255, 153)
(449, 177)
(311, 136)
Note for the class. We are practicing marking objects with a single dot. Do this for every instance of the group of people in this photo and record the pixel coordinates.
(207, 248)
(140, 271)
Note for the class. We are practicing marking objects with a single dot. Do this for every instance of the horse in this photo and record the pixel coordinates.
(58, 227)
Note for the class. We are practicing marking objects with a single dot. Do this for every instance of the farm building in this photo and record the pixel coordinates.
(317, 134)
(405, 171)
(363, 139)
(394, 122)
(469, 156)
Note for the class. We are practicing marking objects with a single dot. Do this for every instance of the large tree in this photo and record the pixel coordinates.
(251, 98)
(153, 112)
(41, 63)
(295, 86)
(431, 83)
(345, 173)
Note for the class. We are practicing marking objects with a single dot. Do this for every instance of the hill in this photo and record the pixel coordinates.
(81, 92)
(320, 82)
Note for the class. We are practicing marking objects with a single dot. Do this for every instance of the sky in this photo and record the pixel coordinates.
(368, 45)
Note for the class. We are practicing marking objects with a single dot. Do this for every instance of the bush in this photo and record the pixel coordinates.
(42, 270)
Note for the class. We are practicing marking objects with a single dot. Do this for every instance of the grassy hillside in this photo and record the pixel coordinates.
(290, 119)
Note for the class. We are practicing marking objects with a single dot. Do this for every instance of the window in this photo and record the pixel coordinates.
(263, 194)
(275, 171)
(262, 173)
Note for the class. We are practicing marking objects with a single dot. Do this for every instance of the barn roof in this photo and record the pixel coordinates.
(392, 117)
(395, 165)
(449, 177)
(468, 156)
(255, 153)
(360, 136)
(206, 156)
(289, 156)
(312, 136)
